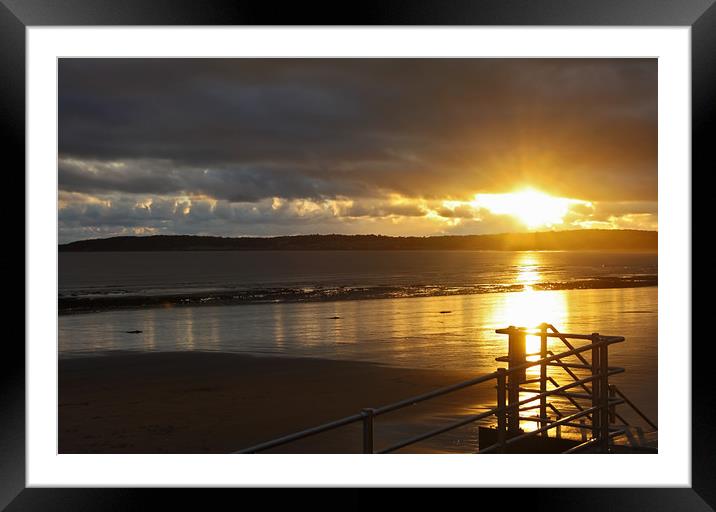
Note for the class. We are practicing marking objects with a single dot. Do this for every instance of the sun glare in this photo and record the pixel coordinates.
(531, 207)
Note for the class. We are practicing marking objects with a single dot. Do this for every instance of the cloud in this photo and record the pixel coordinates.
(84, 215)
(233, 184)
(361, 130)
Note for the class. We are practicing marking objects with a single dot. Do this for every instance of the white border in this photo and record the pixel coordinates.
(671, 467)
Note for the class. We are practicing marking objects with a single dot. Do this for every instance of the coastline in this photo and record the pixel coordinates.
(209, 402)
(68, 305)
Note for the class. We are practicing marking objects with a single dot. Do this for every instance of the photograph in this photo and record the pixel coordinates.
(357, 255)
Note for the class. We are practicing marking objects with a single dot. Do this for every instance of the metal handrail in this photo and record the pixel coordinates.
(592, 441)
(564, 340)
(555, 333)
(556, 391)
(433, 394)
(581, 426)
(367, 415)
(494, 411)
(566, 368)
(303, 434)
(442, 430)
(605, 340)
(553, 424)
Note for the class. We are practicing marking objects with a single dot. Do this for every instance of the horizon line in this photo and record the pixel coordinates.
(269, 237)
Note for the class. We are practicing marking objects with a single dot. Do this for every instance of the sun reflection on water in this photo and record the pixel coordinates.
(527, 270)
(530, 308)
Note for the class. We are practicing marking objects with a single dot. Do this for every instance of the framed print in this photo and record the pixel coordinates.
(427, 245)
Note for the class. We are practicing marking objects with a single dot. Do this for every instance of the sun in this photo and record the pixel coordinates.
(531, 207)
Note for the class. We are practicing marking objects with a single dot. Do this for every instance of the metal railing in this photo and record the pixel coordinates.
(602, 397)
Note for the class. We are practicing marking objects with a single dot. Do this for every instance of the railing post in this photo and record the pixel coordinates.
(604, 397)
(543, 378)
(516, 352)
(595, 385)
(368, 430)
(501, 402)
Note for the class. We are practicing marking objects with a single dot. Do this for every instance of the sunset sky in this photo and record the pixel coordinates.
(262, 147)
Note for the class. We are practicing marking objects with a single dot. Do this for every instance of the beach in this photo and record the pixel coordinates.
(203, 402)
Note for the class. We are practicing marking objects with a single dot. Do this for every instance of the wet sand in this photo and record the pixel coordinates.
(203, 402)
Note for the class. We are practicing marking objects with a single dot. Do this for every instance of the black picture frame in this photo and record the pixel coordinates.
(16, 15)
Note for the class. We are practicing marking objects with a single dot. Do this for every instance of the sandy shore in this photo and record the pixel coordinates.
(199, 402)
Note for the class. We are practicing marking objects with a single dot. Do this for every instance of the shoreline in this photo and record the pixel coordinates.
(80, 305)
(214, 402)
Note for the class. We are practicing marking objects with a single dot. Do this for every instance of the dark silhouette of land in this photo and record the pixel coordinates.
(577, 240)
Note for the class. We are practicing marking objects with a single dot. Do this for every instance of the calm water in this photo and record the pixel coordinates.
(97, 281)
(433, 331)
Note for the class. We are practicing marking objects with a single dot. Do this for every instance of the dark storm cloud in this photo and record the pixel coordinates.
(248, 129)
(166, 177)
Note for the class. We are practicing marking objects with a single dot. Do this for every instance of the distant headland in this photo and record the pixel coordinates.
(576, 240)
